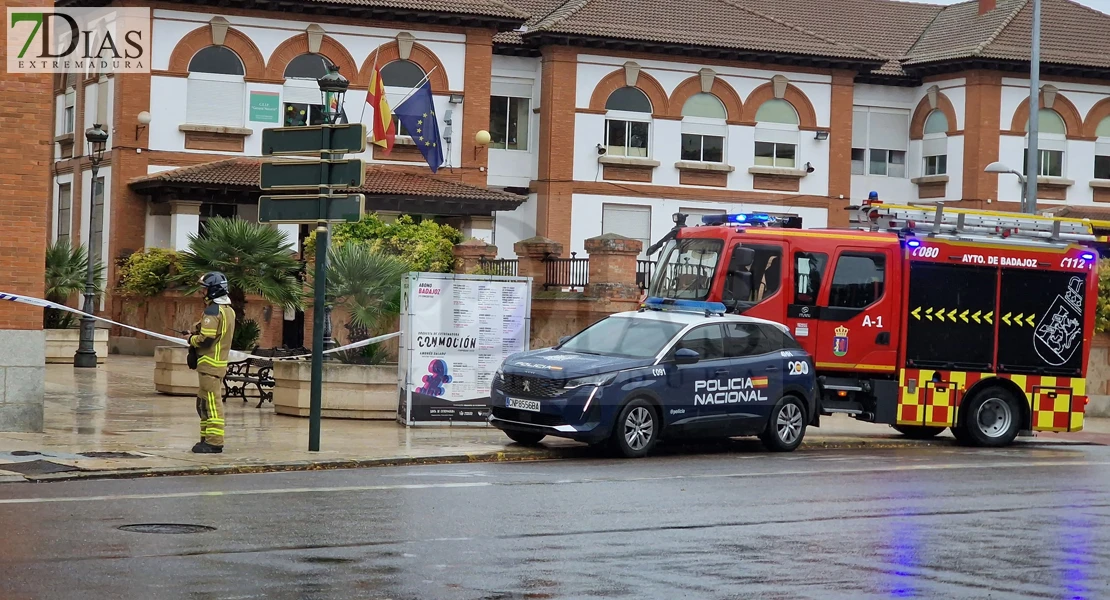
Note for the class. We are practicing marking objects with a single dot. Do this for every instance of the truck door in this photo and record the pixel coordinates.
(766, 298)
(859, 322)
(806, 278)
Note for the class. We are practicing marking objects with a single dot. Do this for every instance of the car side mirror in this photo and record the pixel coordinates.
(686, 356)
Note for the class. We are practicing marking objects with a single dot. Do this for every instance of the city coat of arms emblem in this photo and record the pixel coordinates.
(840, 342)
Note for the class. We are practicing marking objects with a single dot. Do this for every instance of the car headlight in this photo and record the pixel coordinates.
(499, 375)
(598, 380)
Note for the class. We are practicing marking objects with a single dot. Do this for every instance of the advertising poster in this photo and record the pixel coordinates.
(457, 330)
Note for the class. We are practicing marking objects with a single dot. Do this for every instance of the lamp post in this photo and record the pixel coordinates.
(333, 87)
(86, 353)
(1033, 162)
(997, 167)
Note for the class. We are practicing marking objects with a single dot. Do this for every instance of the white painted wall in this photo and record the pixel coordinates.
(586, 218)
(157, 231)
(509, 227)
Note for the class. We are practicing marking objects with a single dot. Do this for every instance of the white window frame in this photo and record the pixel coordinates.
(232, 97)
(703, 127)
(869, 144)
(779, 134)
(1049, 142)
(527, 121)
(69, 111)
(932, 140)
(59, 223)
(640, 208)
(1102, 148)
(628, 117)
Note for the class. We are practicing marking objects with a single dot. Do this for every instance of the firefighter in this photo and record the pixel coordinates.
(212, 339)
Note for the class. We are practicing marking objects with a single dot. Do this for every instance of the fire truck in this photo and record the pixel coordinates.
(921, 317)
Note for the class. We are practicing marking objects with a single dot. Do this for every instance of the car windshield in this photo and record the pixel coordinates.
(686, 269)
(624, 337)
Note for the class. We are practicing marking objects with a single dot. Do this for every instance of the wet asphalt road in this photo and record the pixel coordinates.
(912, 523)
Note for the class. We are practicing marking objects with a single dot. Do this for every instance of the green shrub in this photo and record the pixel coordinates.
(64, 276)
(147, 273)
(426, 246)
(247, 334)
(1102, 310)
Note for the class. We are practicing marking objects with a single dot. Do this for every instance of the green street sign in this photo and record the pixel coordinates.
(305, 174)
(341, 208)
(345, 139)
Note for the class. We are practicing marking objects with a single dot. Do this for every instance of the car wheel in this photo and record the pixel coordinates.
(918, 432)
(636, 430)
(992, 418)
(525, 438)
(786, 427)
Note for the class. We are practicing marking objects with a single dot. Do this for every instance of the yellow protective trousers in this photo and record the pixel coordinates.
(208, 408)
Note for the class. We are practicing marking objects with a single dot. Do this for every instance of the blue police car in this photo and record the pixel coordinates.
(633, 378)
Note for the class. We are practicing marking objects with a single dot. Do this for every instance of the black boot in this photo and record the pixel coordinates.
(206, 448)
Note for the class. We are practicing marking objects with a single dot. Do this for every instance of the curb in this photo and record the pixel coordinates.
(512, 455)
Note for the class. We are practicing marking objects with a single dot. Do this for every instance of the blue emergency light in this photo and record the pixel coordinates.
(678, 305)
(738, 218)
(913, 243)
(1088, 256)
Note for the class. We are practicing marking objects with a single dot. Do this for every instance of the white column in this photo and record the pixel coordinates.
(478, 227)
(184, 221)
(292, 233)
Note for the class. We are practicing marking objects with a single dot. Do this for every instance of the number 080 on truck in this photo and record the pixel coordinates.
(920, 317)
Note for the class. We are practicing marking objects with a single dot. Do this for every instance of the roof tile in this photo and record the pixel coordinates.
(380, 179)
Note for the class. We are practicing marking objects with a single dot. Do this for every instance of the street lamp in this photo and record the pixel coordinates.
(997, 167)
(86, 352)
(333, 87)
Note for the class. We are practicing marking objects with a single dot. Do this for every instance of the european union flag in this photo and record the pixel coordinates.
(418, 115)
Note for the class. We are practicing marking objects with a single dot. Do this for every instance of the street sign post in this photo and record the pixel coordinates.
(322, 175)
(343, 139)
(342, 208)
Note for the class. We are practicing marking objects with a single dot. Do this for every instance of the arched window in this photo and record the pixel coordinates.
(776, 134)
(935, 144)
(301, 94)
(1102, 150)
(1051, 143)
(217, 91)
(627, 123)
(704, 129)
(403, 74)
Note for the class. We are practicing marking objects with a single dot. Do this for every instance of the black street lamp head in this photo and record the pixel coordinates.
(97, 139)
(333, 87)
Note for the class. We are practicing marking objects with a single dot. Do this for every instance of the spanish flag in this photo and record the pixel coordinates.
(384, 131)
(759, 382)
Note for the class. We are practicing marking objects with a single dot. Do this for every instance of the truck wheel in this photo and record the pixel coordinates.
(786, 427)
(636, 430)
(992, 418)
(525, 438)
(918, 432)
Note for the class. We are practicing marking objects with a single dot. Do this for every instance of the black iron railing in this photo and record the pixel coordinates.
(566, 272)
(644, 269)
(505, 267)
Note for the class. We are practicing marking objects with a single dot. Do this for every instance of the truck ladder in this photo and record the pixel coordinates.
(935, 220)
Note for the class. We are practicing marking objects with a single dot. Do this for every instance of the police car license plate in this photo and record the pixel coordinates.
(531, 405)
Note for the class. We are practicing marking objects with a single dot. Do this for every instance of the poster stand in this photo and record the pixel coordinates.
(456, 331)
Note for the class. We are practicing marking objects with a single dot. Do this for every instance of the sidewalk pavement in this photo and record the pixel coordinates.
(109, 422)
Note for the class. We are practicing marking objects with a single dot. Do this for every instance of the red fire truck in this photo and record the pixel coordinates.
(920, 317)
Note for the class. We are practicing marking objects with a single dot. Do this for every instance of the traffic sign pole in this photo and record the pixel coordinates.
(315, 405)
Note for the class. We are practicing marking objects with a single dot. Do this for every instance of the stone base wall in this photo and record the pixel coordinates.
(22, 379)
(172, 375)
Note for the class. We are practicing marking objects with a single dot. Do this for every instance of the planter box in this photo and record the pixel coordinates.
(349, 391)
(61, 344)
(172, 375)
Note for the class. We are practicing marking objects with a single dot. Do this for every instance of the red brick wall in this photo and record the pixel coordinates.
(25, 189)
(555, 186)
(479, 71)
(981, 136)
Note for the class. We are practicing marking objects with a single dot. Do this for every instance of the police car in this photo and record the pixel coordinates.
(673, 369)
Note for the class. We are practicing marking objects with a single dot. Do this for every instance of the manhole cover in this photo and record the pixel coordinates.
(166, 528)
(109, 455)
(38, 467)
(26, 453)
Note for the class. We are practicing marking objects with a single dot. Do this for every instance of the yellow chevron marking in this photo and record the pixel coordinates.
(1029, 320)
(988, 317)
(929, 314)
(963, 316)
(916, 313)
(1006, 318)
(952, 315)
(1017, 319)
(976, 316)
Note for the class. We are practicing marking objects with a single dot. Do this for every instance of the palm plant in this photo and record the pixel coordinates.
(255, 258)
(66, 269)
(366, 283)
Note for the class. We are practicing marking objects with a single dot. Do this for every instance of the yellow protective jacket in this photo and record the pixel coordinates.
(213, 338)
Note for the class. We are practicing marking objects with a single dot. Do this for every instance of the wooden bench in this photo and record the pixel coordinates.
(250, 372)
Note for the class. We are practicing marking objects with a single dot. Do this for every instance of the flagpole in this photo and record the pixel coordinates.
(414, 88)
